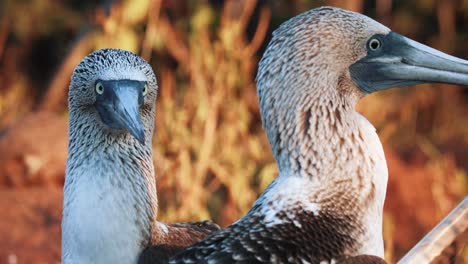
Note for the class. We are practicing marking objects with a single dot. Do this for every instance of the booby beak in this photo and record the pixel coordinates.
(396, 61)
(118, 103)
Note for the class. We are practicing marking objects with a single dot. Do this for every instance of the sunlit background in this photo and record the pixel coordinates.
(211, 155)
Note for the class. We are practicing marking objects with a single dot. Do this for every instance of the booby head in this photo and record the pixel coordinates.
(334, 55)
(110, 199)
(118, 89)
(392, 60)
(356, 50)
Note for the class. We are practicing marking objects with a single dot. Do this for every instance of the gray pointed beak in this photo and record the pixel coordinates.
(400, 62)
(118, 104)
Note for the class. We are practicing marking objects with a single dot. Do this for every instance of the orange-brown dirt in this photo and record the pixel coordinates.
(30, 225)
(33, 151)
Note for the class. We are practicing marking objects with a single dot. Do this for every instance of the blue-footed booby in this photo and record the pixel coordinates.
(110, 200)
(326, 204)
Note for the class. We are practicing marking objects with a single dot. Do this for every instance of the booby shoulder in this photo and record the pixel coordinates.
(110, 200)
(326, 205)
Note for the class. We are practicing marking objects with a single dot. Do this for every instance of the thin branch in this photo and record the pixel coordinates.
(57, 90)
(4, 30)
(174, 44)
(446, 232)
(151, 27)
(260, 33)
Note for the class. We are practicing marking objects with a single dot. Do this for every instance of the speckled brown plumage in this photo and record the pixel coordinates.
(300, 236)
(282, 243)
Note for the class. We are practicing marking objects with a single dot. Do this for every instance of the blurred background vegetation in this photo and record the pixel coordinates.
(211, 153)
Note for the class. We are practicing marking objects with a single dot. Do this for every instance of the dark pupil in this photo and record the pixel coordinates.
(375, 44)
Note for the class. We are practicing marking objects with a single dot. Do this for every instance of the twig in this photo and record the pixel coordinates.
(153, 15)
(260, 33)
(447, 231)
(4, 30)
(174, 43)
(56, 92)
(249, 7)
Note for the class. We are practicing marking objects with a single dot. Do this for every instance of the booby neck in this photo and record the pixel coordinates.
(314, 134)
(307, 103)
(330, 159)
(110, 196)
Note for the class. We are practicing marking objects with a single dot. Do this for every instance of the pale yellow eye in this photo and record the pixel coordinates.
(374, 44)
(99, 88)
(145, 89)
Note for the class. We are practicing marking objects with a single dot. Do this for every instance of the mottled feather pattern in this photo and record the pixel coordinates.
(327, 202)
(283, 227)
(251, 241)
(309, 238)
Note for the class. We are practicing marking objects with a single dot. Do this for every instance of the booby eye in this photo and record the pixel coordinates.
(99, 88)
(374, 44)
(145, 89)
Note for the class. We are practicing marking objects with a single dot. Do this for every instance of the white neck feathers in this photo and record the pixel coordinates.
(110, 203)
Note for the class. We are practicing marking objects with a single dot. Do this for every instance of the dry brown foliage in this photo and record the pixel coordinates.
(211, 154)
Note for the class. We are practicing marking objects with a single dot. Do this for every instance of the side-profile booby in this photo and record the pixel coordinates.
(110, 201)
(326, 204)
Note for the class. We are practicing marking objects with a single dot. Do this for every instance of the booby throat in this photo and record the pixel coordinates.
(110, 200)
(326, 204)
